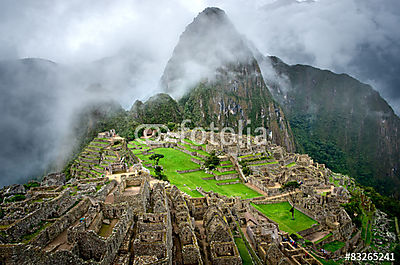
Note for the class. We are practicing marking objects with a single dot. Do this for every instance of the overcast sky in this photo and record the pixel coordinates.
(359, 37)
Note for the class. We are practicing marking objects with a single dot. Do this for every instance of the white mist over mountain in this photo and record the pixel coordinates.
(118, 51)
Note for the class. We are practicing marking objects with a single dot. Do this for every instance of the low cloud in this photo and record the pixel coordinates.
(118, 51)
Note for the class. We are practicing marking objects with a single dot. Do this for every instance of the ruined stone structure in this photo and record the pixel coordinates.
(113, 212)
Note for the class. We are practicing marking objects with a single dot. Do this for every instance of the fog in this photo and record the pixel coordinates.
(117, 50)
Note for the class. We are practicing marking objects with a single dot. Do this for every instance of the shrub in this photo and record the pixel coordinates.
(15, 198)
(212, 161)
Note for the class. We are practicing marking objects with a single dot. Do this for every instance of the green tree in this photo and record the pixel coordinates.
(291, 187)
(156, 158)
(159, 173)
(246, 170)
(212, 161)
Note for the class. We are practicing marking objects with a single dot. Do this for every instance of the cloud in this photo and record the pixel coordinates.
(358, 37)
(124, 46)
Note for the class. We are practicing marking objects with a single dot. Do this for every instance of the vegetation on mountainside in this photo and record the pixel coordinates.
(15, 198)
(342, 123)
(159, 109)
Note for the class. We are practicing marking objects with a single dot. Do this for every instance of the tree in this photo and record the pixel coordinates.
(156, 158)
(159, 173)
(291, 187)
(246, 171)
(171, 126)
(212, 161)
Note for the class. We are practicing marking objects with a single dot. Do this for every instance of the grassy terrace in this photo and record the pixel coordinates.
(189, 148)
(325, 237)
(291, 164)
(225, 165)
(279, 212)
(193, 143)
(176, 160)
(251, 155)
(333, 246)
(244, 253)
(266, 163)
(224, 173)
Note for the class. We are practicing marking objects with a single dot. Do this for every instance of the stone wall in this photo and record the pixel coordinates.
(228, 183)
(189, 170)
(225, 169)
(52, 231)
(185, 151)
(225, 176)
(105, 190)
(53, 208)
(197, 161)
(311, 230)
(93, 246)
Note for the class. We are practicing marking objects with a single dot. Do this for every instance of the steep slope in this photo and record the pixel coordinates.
(217, 79)
(160, 108)
(339, 121)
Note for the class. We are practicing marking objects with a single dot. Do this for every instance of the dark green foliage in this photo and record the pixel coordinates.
(212, 161)
(31, 184)
(159, 109)
(156, 158)
(1, 213)
(66, 170)
(396, 252)
(172, 126)
(324, 152)
(353, 209)
(15, 198)
(389, 205)
(159, 173)
(290, 186)
(246, 170)
(342, 123)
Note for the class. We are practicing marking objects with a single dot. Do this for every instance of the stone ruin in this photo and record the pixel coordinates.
(94, 218)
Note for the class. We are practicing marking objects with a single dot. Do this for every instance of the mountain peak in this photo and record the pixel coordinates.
(209, 43)
(212, 13)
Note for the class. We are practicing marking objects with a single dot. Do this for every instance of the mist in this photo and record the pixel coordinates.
(96, 51)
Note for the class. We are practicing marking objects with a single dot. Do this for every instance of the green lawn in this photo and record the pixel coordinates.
(216, 172)
(322, 239)
(189, 148)
(333, 246)
(244, 253)
(193, 143)
(291, 164)
(366, 227)
(245, 156)
(266, 163)
(279, 212)
(176, 160)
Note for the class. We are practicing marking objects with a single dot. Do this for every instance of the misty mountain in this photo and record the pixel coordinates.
(339, 121)
(43, 105)
(216, 78)
(160, 108)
